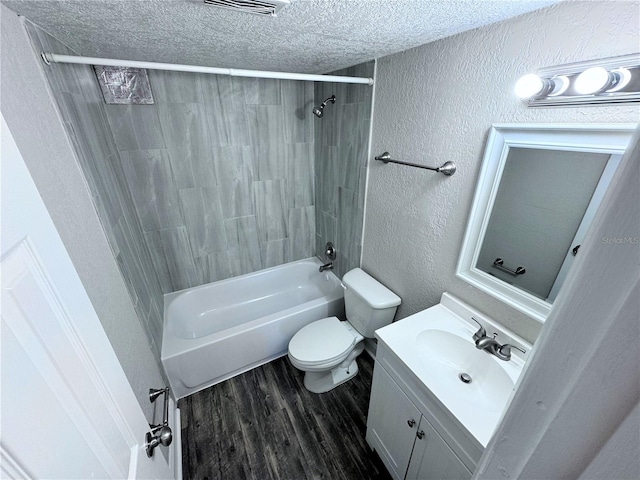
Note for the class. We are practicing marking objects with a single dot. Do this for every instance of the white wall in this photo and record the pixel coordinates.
(436, 103)
(33, 119)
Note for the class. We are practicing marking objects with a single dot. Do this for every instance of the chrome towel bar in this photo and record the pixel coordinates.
(499, 264)
(448, 168)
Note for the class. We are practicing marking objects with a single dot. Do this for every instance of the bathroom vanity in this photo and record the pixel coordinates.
(436, 399)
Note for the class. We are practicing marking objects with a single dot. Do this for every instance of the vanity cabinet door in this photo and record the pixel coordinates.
(432, 459)
(392, 423)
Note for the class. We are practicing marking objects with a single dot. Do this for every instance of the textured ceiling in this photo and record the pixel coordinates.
(309, 36)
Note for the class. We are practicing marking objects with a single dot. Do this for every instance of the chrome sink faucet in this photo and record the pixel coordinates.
(483, 342)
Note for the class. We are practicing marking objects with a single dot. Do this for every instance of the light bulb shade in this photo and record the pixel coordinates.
(622, 79)
(560, 85)
(593, 80)
(529, 86)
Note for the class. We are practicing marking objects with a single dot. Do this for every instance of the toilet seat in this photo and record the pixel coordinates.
(323, 342)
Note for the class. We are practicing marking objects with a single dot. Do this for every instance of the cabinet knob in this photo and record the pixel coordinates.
(411, 422)
(420, 434)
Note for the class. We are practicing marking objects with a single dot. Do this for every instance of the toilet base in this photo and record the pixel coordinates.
(321, 382)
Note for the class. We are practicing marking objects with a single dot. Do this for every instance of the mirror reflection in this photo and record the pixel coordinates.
(545, 202)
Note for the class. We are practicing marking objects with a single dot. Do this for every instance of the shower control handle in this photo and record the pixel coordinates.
(411, 422)
(420, 434)
(330, 251)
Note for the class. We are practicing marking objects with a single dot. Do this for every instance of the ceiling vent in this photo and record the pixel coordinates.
(260, 7)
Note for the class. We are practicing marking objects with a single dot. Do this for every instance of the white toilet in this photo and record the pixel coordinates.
(327, 349)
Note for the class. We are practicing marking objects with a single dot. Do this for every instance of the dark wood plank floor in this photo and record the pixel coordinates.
(265, 425)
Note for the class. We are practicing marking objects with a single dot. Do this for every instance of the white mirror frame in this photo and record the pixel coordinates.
(599, 138)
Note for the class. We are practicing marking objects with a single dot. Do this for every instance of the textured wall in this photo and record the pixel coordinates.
(436, 103)
(341, 146)
(30, 111)
(220, 170)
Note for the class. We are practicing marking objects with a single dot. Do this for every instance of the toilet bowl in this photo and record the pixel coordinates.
(326, 349)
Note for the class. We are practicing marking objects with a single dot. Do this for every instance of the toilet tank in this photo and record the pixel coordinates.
(369, 305)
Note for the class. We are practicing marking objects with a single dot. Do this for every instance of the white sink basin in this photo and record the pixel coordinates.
(448, 356)
(437, 345)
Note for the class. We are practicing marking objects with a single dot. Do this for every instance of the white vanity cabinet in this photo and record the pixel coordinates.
(403, 428)
(392, 423)
(432, 458)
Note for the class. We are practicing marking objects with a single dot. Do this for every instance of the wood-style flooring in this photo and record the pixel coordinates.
(265, 425)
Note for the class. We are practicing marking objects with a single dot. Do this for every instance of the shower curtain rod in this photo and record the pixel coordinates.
(50, 58)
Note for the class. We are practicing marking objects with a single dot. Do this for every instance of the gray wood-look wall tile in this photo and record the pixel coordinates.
(76, 79)
(348, 115)
(234, 173)
(150, 179)
(225, 104)
(175, 87)
(267, 141)
(356, 93)
(155, 322)
(300, 174)
(302, 238)
(171, 252)
(202, 214)
(298, 104)
(186, 137)
(131, 265)
(263, 91)
(244, 249)
(327, 175)
(135, 127)
(219, 267)
(275, 253)
(270, 198)
(347, 230)
(326, 227)
(90, 124)
(347, 169)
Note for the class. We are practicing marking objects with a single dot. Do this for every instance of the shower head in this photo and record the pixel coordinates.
(318, 110)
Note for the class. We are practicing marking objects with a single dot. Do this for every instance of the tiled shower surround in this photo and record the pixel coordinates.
(217, 178)
(341, 146)
(219, 169)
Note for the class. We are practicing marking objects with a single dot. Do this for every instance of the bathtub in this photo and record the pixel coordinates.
(216, 331)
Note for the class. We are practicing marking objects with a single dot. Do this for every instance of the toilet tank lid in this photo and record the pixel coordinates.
(372, 291)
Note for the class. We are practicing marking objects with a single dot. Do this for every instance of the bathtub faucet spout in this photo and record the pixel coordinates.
(326, 266)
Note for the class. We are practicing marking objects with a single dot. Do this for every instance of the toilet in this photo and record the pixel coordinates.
(326, 349)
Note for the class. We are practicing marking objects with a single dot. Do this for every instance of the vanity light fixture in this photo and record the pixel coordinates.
(534, 86)
(596, 80)
(612, 80)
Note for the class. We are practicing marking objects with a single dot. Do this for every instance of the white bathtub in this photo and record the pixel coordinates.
(216, 331)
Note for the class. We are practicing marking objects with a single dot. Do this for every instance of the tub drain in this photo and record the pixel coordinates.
(464, 377)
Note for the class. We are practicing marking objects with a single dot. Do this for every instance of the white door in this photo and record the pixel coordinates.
(68, 410)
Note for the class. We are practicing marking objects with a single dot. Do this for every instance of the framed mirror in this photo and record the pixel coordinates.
(538, 190)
